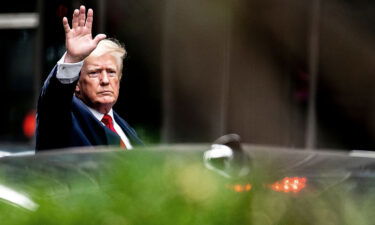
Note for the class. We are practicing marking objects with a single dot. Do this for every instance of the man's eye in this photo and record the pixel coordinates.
(112, 73)
(93, 73)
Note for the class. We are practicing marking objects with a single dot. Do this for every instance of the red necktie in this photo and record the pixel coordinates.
(107, 120)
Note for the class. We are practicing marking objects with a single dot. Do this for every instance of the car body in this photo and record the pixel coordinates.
(171, 184)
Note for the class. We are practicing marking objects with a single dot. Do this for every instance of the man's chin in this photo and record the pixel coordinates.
(106, 101)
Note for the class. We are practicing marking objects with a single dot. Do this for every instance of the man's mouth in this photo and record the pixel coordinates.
(105, 93)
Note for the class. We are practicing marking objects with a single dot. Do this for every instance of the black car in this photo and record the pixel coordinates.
(223, 183)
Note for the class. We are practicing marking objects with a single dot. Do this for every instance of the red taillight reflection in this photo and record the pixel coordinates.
(289, 184)
(286, 185)
(240, 187)
(29, 124)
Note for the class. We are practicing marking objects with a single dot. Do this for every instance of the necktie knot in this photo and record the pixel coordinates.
(108, 122)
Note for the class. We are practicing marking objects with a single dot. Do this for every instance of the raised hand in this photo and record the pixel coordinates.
(78, 39)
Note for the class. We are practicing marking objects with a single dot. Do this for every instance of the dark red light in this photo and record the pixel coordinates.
(29, 124)
(289, 184)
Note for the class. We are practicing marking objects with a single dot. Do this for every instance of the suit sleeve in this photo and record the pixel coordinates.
(54, 112)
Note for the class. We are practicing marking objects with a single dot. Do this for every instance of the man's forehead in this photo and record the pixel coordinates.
(96, 61)
(100, 63)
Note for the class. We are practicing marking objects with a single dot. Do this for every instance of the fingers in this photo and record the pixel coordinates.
(99, 37)
(82, 16)
(79, 18)
(75, 18)
(66, 25)
(90, 16)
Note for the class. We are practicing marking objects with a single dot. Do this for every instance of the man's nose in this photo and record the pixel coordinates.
(104, 79)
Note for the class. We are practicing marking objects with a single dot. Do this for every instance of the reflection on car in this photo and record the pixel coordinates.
(226, 182)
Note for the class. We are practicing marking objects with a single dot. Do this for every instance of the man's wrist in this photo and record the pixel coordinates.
(68, 72)
(71, 59)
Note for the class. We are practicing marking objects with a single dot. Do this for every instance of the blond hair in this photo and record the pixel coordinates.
(112, 46)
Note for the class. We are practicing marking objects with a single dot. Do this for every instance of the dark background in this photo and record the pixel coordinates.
(286, 73)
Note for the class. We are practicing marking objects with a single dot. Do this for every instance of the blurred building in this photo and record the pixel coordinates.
(287, 73)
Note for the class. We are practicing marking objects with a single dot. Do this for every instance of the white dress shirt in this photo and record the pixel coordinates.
(67, 73)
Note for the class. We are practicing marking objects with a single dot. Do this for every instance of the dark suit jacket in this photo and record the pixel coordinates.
(64, 121)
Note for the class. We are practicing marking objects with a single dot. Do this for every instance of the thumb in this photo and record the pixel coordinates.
(99, 37)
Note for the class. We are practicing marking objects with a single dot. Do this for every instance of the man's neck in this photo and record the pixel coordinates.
(98, 115)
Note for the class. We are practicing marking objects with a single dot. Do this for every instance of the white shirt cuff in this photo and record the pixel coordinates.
(67, 73)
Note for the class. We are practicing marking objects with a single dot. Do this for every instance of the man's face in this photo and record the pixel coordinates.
(99, 83)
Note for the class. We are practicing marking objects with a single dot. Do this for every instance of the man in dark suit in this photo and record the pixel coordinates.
(75, 104)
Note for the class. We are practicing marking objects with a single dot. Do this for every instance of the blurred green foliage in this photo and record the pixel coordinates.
(139, 187)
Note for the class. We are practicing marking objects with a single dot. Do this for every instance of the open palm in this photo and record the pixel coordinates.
(78, 39)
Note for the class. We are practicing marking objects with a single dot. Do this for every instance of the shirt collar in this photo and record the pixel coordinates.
(98, 115)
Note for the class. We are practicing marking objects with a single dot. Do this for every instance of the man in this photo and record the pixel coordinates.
(75, 104)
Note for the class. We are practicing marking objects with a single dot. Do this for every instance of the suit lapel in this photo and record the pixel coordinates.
(129, 132)
(95, 131)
